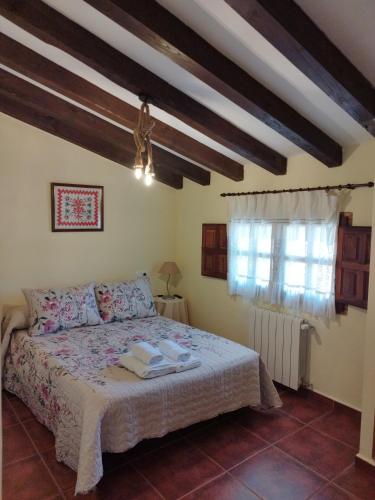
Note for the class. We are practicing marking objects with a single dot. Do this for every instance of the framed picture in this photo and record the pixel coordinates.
(76, 207)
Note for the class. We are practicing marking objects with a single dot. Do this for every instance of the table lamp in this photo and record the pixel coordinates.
(171, 269)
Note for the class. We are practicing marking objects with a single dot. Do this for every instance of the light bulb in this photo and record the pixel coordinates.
(138, 172)
(148, 179)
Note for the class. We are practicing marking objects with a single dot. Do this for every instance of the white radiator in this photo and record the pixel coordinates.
(281, 341)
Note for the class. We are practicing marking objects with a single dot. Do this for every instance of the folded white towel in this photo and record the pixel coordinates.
(147, 353)
(135, 365)
(173, 350)
(191, 363)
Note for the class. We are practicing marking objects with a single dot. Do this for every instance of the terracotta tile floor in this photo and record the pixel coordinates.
(305, 450)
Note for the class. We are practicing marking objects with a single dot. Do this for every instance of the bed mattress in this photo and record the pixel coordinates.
(74, 384)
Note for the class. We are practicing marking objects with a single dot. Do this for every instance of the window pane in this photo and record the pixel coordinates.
(320, 241)
(321, 278)
(262, 271)
(263, 234)
(242, 262)
(294, 280)
(243, 238)
(295, 240)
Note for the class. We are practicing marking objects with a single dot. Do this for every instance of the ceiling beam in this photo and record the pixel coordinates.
(60, 108)
(70, 133)
(160, 29)
(371, 127)
(53, 28)
(284, 24)
(38, 68)
(28, 103)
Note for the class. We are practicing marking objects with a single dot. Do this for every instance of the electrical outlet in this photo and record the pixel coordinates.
(142, 274)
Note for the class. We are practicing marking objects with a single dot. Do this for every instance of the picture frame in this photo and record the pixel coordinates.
(77, 207)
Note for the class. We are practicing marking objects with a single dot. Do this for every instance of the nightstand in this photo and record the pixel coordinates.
(175, 308)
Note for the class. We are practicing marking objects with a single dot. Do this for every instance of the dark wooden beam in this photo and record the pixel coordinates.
(284, 24)
(46, 72)
(37, 107)
(61, 109)
(371, 127)
(156, 26)
(53, 28)
(84, 139)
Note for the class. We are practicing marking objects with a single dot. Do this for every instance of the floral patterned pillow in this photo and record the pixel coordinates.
(57, 309)
(125, 300)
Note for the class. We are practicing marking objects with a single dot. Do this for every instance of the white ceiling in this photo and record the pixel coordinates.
(346, 22)
(350, 25)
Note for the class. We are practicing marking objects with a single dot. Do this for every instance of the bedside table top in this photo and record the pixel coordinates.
(157, 298)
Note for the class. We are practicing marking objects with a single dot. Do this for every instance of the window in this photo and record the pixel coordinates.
(253, 254)
(294, 256)
(352, 261)
(286, 257)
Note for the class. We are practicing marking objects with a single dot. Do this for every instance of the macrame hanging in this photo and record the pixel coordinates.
(143, 164)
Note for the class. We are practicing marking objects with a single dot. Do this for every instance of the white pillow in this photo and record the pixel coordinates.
(57, 309)
(125, 300)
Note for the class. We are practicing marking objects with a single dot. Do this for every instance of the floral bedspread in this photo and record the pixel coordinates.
(74, 384)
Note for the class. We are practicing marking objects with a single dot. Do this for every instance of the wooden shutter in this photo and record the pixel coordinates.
(214, 250)
(352, 264)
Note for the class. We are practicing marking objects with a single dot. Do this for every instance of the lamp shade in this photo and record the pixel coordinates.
(169, 268)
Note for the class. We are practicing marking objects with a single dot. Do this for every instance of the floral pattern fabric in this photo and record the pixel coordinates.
(125, 300)
(74, 383)
(57, 309)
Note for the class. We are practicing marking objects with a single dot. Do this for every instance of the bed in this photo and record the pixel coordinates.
(74, 384)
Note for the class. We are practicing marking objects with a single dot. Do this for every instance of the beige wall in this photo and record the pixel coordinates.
(139, 221)
(144, 227)
(367, 444)
(337, 352)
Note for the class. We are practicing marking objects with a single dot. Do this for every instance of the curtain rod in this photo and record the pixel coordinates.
(318, 188)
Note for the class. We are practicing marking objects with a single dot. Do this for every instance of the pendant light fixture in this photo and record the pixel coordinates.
(143, 164)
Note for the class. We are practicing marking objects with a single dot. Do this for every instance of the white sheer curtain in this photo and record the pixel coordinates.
(282, 250)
